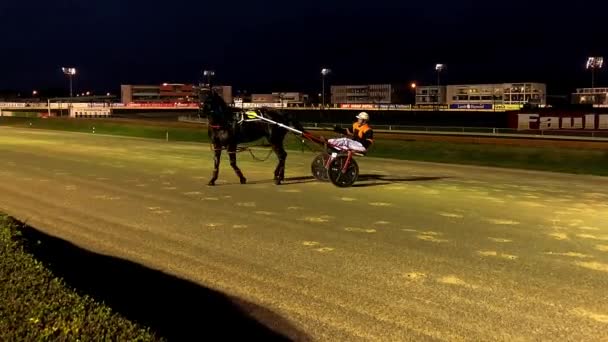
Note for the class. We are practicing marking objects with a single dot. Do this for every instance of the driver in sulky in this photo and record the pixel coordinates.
(360, 136)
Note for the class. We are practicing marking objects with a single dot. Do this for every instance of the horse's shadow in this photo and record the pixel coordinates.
(287, 180)
(364, 180)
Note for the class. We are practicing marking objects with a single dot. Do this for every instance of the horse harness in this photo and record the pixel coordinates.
(238, 119)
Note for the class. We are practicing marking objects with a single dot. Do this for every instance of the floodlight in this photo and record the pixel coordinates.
(69, 71)
(595, 62)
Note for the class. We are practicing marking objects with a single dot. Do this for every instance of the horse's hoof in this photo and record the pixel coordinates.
(277, 181)
(211, 183)
(243, 180)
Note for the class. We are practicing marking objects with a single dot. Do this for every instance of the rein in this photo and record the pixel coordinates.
(243, 149)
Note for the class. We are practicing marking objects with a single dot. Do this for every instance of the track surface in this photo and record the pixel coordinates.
(416, 251)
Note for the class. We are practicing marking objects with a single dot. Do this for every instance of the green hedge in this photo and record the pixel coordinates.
(36, 306)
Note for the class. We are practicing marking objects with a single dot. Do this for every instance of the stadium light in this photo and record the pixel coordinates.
(594, 63)
(324, 73)
(209, 75)
(439, 68)
(70, 72)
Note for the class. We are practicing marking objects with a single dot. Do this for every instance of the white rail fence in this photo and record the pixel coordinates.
(461, 131)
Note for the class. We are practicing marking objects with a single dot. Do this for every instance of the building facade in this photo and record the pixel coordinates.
(482, 95)
(280, 97)
(262, 98)
(368, 94)
(431, 95)
(594, 96)
(167, 93)
(291, 97)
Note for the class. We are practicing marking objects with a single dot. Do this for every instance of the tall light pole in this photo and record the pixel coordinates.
(413, 86)
(439, 68)
(70, 72)
(208, 76)
(594, 63)
(324, 73)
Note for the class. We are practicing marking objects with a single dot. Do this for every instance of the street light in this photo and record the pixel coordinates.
(413, 86)
(324, 73)
(594, 63)
(70, 72)
(35, 92)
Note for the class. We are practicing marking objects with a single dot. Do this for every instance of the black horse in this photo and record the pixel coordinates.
(227, 129)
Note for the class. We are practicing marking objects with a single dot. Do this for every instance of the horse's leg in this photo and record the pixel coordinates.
(279, 172)
(232, 155)
(216, 163)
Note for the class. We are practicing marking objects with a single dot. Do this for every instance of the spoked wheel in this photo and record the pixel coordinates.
(343, 179)
(318, 167)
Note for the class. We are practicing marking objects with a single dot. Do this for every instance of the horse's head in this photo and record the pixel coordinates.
(213, 106)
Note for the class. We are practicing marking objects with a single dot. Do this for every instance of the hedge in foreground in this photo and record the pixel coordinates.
(34, 305)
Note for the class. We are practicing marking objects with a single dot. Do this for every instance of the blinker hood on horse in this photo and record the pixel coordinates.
(228, 128)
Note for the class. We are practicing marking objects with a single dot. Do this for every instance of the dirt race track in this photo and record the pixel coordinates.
(416, 251)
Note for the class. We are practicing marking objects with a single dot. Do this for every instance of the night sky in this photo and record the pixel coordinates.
(281, 45)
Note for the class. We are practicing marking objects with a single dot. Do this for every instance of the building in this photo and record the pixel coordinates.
(262, 98)
(167, 93)
(431, 95)
(596, 96)
(368, 94)
(225, 92)
(280, 97)
(291, 97)
(482, 95)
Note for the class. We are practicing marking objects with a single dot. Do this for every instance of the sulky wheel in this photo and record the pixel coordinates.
(318, 167)
(343, 179)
